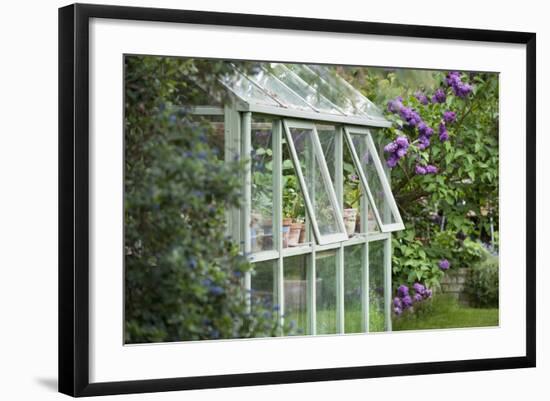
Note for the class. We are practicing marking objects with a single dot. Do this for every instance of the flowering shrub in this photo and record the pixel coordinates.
(407, 301)
(442, 150)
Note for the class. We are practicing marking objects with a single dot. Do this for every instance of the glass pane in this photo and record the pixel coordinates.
(263, 285)
(376, 286)
(302, 88)
(327, 135)
(261, 219)
(348, 98)
(294, 213)
(353, 288)
(295, 293)
(366, 159)
(353, 192)
(277, 90)
(325, 292)
(316, 186)
(247, 90)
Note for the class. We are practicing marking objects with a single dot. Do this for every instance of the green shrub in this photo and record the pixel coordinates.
(183, 274)
(482, 284)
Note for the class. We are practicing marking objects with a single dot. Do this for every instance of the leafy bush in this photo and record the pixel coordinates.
(482, 284)
(183, 274)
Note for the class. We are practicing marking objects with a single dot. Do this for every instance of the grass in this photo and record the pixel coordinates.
(447, 313)
(326, 322)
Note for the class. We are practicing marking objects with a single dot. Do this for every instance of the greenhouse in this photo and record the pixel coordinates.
(317, 211)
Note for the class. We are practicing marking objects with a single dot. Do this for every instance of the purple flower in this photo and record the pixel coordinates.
(421, 97)
(439, 96)
(398, 311)
(397, 150)
(417, 297)
(424, 130)
(430, 169)
(460, 89)
(402, 141)
(428, 293)
(453, 78)
(420, 170)
(407, 301)
(423, 142)
(419, 288)
(443, 133)
(410, 116)
(395, 105)
(444, 264)
(403, 290)
(401, 152)
(391, 147)
(397, 302)
(392, 161)
(449, 116)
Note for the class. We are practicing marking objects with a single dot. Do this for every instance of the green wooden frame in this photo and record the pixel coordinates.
(238, 128)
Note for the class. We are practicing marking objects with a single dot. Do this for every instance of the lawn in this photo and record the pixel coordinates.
(447, 313)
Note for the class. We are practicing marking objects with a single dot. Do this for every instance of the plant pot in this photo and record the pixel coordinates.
(286, 231)
(294, 234)
(267, 226)
(350, 218)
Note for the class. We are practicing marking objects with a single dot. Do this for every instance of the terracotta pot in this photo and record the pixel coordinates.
(294, 234)
(350, 217)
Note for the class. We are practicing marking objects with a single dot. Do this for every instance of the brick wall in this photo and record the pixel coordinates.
(453, 283)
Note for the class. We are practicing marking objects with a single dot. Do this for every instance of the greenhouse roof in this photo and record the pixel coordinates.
(314, 92)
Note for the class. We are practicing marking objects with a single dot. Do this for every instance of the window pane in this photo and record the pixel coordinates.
(353, 191)
(376, 286)
(295, 293)
(316, 186)
(366, 159)
(263, 285)
(327, 134)
(346, 96)
(353, 288)
(261, 219)
(277, 90)
(302, 88)
(294, 213)
(325, 292)
(246, 90)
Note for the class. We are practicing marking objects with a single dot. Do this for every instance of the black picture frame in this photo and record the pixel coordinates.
(74, 198)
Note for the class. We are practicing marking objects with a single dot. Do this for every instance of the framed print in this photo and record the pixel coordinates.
(251, 199)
